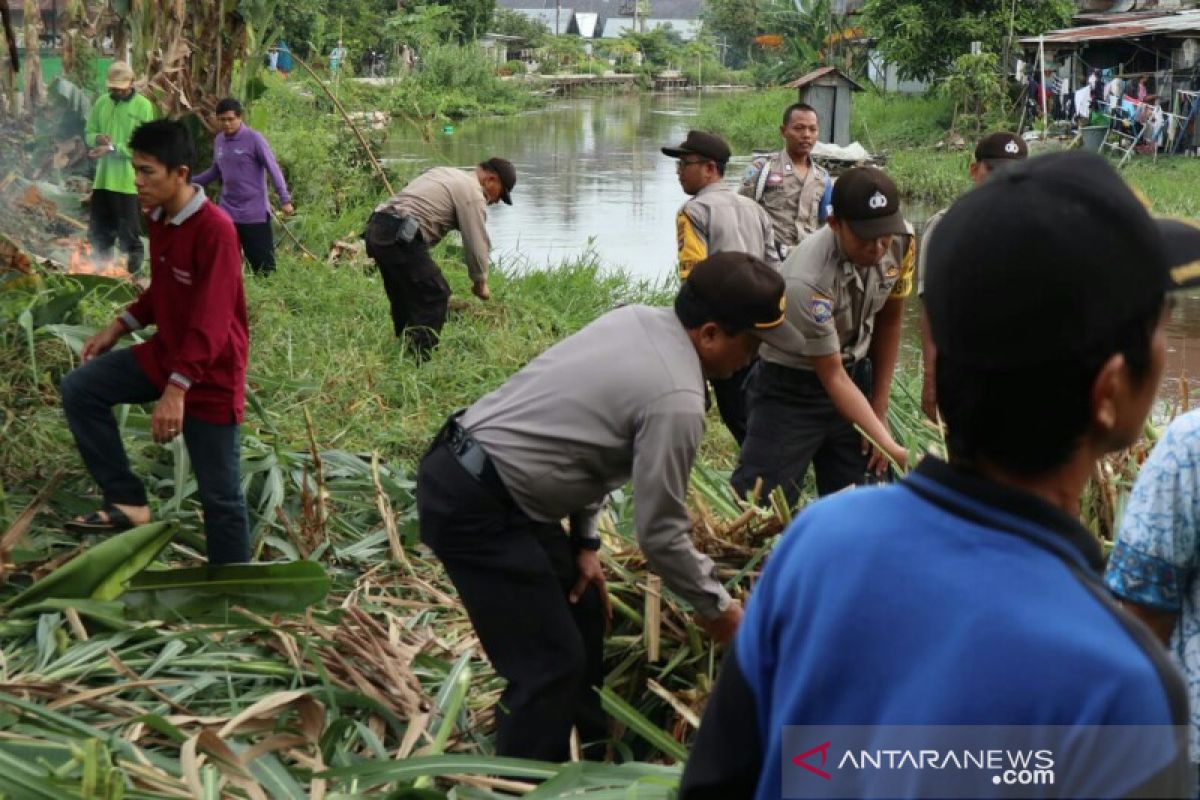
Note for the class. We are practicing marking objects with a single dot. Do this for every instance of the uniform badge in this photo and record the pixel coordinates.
(822, 308)
(892, 271)
(774, 179)
(1012, 148)
(878, 200)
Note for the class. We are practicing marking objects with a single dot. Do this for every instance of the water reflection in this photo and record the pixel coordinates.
(592, 177)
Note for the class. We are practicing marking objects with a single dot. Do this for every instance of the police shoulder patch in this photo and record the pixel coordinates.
(822, 307)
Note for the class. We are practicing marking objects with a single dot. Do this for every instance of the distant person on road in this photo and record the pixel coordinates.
(114, 213)
(404, 228)
(241, 159)
(793, 188)
(992, 153)
(336, 56)
(193, 368)
(717, 220)
(284, 62)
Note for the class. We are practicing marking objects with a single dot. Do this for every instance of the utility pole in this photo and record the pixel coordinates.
(557, 9)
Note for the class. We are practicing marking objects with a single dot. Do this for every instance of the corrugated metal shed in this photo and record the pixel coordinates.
(1182, 24)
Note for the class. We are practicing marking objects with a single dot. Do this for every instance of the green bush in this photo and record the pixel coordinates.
(515, 67)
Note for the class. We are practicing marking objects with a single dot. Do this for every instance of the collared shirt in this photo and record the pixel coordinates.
(117, 120)
(718, 220)
(197, 303)
(239, 162)
(1156, 560)
(833, 302)
(443, 199)
(622, 399)
(793, 203)
(943, 599)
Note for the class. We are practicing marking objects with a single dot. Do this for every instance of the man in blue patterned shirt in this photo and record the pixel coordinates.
(1154, 567)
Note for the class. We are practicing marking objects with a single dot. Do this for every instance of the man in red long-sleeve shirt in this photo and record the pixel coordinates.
(193, 368)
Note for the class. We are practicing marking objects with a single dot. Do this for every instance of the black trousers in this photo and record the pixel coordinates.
(89, 393)
(730, 394)
(792, 423)
(116, 218)
(258, 245)
(415, 286)
(513, 574)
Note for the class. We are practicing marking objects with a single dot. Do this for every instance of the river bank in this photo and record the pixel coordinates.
(337, 420)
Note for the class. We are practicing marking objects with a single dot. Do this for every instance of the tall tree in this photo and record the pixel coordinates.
(923, 38)
(735, 23)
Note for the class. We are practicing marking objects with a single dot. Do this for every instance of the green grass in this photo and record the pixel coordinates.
(883, 123)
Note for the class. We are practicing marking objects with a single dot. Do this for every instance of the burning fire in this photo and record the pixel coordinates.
(81, 263)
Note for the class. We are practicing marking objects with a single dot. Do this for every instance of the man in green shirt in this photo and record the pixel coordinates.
(114, 209)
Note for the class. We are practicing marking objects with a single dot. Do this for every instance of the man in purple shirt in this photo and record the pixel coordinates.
(240, 157)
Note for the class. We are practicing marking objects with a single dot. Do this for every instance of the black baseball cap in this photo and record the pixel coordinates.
(507, 174)
(743, 293)
(699, 143)
(867, 200)
(1047, 259)
(1001, 146)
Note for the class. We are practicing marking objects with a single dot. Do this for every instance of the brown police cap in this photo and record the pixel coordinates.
(507, 174)
(699, 143)
(867, 200)
(743, 293)
(1001, 146)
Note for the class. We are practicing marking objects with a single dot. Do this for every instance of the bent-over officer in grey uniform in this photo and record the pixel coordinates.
(846, 288)
(792, 188)
(403, 228)
(992, 153)
(717, 220)
(622, 399)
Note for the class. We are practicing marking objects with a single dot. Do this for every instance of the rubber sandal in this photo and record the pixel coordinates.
(109, 519)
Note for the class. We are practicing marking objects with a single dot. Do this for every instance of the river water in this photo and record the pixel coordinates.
(593, 183)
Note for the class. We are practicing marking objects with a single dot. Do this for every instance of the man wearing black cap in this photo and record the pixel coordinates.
(992, 153)
(718, 220)
(962, 608)
(622, 399)
(402, 229)
(846, 288)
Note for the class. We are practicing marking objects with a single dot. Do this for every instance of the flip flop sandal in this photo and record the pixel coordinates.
(109, 519)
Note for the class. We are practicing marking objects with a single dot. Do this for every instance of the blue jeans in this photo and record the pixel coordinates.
(88, 395)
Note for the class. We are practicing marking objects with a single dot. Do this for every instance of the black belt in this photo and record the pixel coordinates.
(471, 456)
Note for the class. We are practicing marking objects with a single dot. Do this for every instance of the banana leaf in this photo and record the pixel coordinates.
(101, 572)
(109, 614)
(208, 593)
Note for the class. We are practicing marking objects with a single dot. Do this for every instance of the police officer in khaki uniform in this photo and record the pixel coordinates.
(993, 152)
(717, 220)
(403, 228)
(622, 399)
(793, 188)
(846, 288)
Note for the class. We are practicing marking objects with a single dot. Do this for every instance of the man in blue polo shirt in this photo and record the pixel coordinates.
(968, 594)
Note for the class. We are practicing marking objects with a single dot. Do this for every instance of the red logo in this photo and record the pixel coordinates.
(823, 749)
